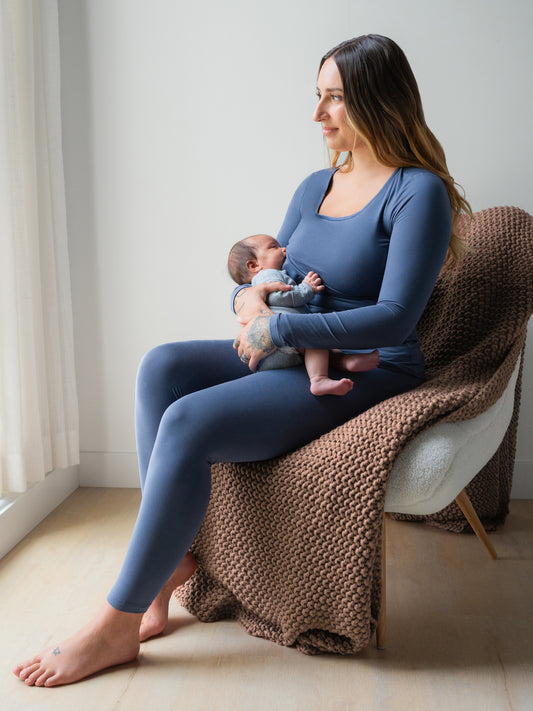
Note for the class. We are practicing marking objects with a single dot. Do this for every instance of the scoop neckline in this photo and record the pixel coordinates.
(354, 214)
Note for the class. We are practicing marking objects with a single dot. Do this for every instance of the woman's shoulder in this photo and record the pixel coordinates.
(312, 188)
(318, 178)
(416, 191)
(322, 174)
(417, 183)
(419, 179)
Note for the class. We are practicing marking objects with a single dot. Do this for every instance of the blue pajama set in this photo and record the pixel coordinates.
(197, 403)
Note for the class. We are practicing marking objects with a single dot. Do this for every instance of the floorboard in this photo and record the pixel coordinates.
(460, 627)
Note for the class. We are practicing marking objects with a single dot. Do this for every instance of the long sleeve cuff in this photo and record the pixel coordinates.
(275, 335)
(234, 294)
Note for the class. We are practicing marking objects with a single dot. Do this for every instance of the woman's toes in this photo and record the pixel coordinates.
(32, 678)
(45, 679)
(27, 670)
(42, 678)
(52, 680)
(19, 669)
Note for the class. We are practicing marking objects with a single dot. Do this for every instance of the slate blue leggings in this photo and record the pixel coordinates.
(197, 404)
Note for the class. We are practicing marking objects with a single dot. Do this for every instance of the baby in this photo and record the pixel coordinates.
(259, 259)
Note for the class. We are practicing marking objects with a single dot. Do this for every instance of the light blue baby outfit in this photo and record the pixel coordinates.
(293, 301)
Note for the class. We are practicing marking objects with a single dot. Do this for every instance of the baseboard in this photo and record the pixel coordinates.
(522, 480)
(25, 511)
(109, 469)
(120, 469)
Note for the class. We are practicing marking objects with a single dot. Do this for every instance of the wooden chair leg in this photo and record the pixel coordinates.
(471, 516)
(382, 619)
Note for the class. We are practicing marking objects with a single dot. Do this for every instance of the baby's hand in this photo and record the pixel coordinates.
(314, 281)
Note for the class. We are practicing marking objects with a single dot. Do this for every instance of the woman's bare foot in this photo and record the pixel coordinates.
(155, 618)
(355, 362)
(322, 385)
(111, 638)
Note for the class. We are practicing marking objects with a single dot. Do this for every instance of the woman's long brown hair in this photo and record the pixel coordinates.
(383, 105)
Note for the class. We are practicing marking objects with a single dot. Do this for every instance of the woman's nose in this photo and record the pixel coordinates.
(318, 114)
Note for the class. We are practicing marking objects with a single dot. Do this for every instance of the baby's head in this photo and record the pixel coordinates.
(252, 254)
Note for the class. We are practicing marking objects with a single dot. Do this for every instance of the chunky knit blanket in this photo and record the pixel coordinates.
(292, 547)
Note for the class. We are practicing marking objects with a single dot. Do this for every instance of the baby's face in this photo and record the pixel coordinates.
(268, 252)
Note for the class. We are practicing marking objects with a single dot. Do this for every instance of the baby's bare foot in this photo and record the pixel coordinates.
(155, 618)
(111, 638)
(327, 386)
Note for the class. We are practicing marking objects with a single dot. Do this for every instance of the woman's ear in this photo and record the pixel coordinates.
(253, 266)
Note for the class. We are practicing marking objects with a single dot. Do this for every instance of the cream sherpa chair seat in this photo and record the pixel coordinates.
(438, 464)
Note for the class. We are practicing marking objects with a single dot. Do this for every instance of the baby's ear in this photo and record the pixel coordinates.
(253, 266)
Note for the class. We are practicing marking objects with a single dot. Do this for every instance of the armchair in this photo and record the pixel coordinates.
(292, 547)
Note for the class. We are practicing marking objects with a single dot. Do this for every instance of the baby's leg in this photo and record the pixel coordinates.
(354, 362)
(317, 364)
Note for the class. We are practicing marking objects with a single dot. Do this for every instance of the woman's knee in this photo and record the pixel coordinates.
(165, 367)
(156, 362)
(195, 426)
(188, 366)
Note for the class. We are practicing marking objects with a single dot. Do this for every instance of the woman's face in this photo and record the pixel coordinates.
(331, 111)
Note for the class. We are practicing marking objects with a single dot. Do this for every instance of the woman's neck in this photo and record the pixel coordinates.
(364, 164)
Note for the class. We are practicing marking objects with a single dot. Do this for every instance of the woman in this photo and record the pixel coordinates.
(377, 229)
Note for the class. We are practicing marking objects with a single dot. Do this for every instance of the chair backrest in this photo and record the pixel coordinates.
(473, 332)
(489, 294)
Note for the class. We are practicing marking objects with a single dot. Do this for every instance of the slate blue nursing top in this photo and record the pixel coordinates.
(379, 266)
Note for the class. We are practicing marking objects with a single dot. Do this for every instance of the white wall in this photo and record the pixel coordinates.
(187, 125)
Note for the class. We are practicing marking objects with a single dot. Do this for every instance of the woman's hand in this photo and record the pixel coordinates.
(251, 301)
(254, 342)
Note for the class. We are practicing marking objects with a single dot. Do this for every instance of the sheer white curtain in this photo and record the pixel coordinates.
(38, 401)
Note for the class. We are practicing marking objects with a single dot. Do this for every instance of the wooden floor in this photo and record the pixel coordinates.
(460, 627)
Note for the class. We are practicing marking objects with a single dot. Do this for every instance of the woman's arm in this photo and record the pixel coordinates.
(250, 301)
(419, 240)
(254, 342)
(293, 215)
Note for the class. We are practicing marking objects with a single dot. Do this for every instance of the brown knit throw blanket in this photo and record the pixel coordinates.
(292, 547)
